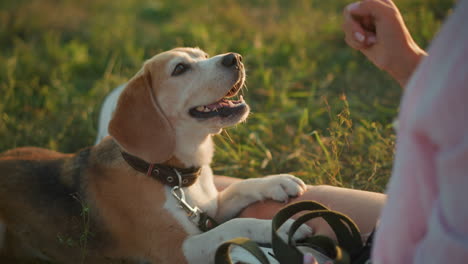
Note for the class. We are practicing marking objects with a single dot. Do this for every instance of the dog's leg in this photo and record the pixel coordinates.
(201, 248)
(241, 194)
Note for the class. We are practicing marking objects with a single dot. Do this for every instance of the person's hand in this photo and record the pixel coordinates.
(310, 259)
(377, 29)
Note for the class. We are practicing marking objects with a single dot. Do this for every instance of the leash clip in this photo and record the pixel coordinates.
(193, 213)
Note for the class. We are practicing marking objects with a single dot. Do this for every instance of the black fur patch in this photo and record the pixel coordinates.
(51, 190)
(60, 194)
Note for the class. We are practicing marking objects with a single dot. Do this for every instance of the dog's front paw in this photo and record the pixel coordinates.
(302, 232)
(282, 186)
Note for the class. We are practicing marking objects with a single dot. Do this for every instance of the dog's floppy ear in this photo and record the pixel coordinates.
(139, 124)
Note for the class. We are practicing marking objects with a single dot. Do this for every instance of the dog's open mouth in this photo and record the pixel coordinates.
(224, 107)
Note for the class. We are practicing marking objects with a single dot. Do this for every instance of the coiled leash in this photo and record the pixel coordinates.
(349, 248)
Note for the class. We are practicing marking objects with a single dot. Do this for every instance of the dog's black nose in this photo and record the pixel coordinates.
(231, 59)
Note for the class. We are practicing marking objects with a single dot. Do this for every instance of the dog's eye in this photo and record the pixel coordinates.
(179, 69)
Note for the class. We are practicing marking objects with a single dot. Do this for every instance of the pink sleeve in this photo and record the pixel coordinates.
(442, 117)
(446, 240)
(425, 219)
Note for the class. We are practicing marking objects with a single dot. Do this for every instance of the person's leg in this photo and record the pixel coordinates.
(361, 206)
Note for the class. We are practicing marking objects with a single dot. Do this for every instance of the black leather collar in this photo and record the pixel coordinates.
(163, 173)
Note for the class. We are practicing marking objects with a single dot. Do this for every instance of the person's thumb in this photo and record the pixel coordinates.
(372, 8)
(309, 259)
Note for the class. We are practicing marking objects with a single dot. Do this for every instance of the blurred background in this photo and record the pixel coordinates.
(320, 110)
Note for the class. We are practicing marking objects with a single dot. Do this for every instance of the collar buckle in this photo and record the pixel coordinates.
(164, 173)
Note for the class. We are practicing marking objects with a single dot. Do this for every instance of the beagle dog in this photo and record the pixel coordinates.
(146, 192)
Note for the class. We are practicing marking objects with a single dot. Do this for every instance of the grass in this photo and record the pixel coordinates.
(320, 110)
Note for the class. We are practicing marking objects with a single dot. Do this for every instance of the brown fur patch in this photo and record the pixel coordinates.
(43, 205)
(32, 153)
(139, 123)
(131, 206)
(175, 162)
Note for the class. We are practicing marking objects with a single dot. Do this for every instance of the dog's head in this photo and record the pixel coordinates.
(181, 89)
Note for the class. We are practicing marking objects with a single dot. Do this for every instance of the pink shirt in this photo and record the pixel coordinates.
(425, 219)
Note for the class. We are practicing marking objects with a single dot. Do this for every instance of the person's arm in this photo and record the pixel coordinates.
(376, 28)
(361, 206)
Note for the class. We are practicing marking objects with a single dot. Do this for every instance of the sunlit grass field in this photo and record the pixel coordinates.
(320, 110)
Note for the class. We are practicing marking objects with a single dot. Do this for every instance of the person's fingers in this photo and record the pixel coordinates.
(356, 36)
(390, 2)
(309, 259)
(355, 9)
(366, 22)
(371, 39)
(354, 44)
(370, 8)
(354, 33)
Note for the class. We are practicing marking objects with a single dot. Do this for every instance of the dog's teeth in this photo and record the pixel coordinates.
(230, 103)
(200, 108)
(241, 98)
